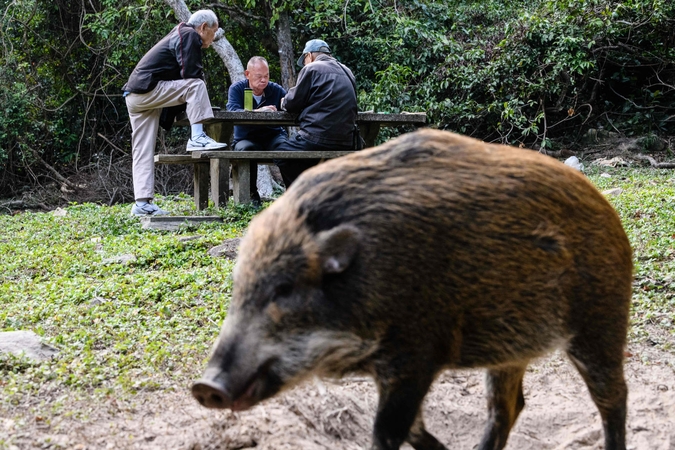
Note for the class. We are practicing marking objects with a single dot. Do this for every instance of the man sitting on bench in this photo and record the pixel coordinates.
(266, 97)
(325, 99)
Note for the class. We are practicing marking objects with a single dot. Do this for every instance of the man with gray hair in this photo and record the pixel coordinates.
(169, 74)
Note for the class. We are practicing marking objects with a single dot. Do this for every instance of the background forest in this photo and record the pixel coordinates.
(537, 73)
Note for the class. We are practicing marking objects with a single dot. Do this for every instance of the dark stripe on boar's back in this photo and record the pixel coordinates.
(414, 154)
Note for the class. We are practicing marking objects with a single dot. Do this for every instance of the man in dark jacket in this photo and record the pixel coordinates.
(168, 75)
(266, 97)
(325, 99)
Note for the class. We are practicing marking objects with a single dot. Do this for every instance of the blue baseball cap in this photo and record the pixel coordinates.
(315, 45)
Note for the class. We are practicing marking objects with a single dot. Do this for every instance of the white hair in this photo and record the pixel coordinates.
(203, 16)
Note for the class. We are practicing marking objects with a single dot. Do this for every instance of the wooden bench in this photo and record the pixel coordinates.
(213, 166)
(200, 175)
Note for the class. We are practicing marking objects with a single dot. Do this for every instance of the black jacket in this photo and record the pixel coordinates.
(177, 56)
(325, 99)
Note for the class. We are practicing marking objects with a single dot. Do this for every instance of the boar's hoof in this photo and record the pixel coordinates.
(211, 394)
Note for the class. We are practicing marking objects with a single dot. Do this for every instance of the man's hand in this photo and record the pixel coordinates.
(267, 108)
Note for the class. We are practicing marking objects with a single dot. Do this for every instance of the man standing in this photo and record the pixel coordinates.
(325, 99)
(266, 97)
(169, 74)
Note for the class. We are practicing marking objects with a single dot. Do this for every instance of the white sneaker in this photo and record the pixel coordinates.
(147, 209)
(203, 142)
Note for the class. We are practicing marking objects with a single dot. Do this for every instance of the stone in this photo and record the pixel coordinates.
(26, 343)
(120, 259)
(228, 249)
(174, 223)
(574, 162)
(612, 192)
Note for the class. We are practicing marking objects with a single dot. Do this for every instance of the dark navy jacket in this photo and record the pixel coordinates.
(177, 56)
(272, 95)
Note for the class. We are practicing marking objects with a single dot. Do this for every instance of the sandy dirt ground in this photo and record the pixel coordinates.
(339, 414)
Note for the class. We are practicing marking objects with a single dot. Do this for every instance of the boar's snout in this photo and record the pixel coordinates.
(212, 390)
(211, 394)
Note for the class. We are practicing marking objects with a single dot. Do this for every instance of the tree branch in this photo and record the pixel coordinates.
(652, 161)
(54, 172)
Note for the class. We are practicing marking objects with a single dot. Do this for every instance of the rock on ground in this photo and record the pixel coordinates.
(25, 343)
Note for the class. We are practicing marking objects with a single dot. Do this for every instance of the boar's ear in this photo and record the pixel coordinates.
(337, 247)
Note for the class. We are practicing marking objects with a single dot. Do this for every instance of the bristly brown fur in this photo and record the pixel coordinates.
(429, 252)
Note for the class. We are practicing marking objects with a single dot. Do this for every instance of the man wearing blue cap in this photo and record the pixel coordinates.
(325, 99)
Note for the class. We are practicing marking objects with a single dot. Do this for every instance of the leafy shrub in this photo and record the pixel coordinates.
(516, 71)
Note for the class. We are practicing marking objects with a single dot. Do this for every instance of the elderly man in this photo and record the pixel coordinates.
(266, 97)
(169, 74)
(325, 99)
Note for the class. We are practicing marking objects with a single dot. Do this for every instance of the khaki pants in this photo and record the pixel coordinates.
(144, 112)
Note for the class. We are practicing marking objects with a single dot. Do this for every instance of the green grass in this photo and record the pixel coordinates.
(646, 206)
(149, 323)
(119, 326)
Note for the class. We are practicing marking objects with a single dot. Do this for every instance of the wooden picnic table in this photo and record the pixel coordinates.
(211, 168)
(221, 127)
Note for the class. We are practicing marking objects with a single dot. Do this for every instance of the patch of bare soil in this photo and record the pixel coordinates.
(339, 414)
(620, 150)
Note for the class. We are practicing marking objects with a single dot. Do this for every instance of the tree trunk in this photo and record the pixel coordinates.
(222, 46)
(286, 56)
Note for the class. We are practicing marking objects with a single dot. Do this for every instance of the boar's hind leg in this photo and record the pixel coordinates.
(504, 388)
(603, 374)
(420, 438)
(399, 403)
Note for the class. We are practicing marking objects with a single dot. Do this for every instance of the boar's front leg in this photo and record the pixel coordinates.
(504, 388)
(420, 438)
(399, 405)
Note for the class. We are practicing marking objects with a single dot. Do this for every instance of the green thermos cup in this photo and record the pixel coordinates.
(248, 99)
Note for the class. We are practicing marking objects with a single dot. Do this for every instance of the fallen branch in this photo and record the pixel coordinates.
(652, 161)
(111, 144)
(558, 153)
(54, 172)
(21, 204)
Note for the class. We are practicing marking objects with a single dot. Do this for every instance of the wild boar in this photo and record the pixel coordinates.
(433, 251)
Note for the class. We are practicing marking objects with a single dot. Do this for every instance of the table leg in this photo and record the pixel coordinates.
(220, 181)
(241, 175)
(369, 132)
(201, 184)
(220, 131)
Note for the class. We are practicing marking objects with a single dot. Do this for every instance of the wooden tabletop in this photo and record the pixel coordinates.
(286, 118)
(306, 154)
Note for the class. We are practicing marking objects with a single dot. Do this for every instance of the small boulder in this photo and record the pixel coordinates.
(612, 192)
(26, 343)
(227, 249)
(574, 162)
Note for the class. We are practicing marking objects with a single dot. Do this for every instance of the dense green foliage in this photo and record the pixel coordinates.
(533, 72)
(520, 71)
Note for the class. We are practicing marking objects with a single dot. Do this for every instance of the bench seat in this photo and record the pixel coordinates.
(214, 165)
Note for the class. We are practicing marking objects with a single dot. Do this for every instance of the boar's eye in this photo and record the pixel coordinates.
(283, 290)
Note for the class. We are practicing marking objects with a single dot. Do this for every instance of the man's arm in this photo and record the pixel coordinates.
(297, 97)
(188, 51)
(235, 98)
(280, 95)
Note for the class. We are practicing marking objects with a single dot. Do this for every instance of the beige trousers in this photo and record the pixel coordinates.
(144, 113)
